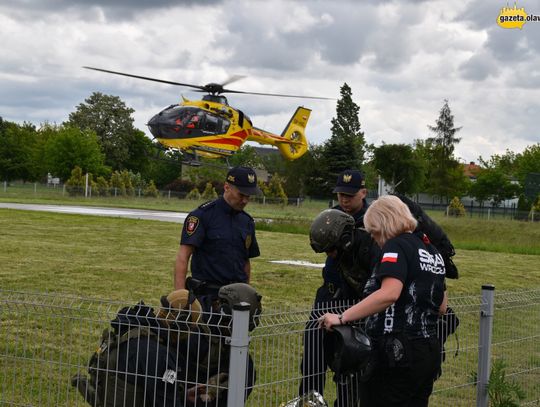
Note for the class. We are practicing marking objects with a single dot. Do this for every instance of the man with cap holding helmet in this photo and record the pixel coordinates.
(337, 286)
(219, 238)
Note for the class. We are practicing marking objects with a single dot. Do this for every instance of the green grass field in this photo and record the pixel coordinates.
(117, 258)
(127, 260)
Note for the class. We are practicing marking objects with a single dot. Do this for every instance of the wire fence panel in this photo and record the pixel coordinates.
(47, 339)
(516, 340)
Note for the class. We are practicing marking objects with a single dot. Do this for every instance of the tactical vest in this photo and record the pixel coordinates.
(105, 386)
(354, 265)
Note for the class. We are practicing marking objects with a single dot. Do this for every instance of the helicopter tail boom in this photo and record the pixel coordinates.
(293, 143)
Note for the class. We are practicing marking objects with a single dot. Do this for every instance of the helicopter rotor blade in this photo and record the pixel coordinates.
(146, 78)
(232, 79)
(276, 94)
(213, 88)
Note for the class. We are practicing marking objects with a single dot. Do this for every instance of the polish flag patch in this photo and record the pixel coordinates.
(389, 258)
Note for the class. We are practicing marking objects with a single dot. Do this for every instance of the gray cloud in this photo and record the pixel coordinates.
(118, 10)
(401, 58)
(479, 67)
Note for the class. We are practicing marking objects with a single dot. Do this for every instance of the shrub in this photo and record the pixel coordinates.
(75, 183)
(126, 180)
(503, 392)
(102, 186)
(209, 192)
(180, 185)
(117, 183)
(274, 189)
(456, 208)
(194, 194)
(151, 190)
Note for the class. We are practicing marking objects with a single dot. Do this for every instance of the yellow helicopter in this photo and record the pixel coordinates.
(212, 128)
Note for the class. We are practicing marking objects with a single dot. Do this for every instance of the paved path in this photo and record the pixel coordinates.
(165, 216)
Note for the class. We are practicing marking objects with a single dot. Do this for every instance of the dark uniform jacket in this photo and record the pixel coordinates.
(348, 273)
(224, 239)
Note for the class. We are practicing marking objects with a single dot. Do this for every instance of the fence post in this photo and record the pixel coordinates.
(239, 342)
(484, 345)
(5, 186)
(35, 188)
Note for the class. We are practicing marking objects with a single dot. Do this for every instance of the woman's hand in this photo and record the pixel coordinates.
(327, 321)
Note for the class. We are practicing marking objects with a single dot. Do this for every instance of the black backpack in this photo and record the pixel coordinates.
(98, 385)
(436, 235)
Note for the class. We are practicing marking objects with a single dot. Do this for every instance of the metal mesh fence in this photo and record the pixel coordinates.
(46, 339)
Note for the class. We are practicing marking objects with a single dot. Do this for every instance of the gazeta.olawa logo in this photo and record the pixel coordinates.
(514, 17)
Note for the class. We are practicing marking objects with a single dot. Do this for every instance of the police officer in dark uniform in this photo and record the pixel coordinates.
(219, 238)
(337, 287)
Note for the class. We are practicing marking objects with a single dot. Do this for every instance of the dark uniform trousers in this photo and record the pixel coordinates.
(329, 298)
(406, 384)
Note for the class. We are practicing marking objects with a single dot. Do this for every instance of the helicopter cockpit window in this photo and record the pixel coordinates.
(211, 124)
(215, 124)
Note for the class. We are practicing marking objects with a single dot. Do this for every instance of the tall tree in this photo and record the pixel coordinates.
(110, 118)
(71, 147)
(494, 184)
(346, 147)
(528, 162)
(444, 172)
(400, 167)
(16, 143)
(445, 132)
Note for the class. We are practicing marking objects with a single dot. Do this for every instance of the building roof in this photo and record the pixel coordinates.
(471, 170)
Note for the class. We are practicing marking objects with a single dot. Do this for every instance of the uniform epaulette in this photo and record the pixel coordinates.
(208, 204)
(248, 215)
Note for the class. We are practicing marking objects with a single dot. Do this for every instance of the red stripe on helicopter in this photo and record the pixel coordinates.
(243, 134)
(233, 142)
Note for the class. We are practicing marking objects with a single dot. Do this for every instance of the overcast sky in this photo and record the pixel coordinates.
(401, 59)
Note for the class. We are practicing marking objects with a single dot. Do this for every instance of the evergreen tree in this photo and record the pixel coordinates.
(445, 177)
(347, 146)
(445, 132)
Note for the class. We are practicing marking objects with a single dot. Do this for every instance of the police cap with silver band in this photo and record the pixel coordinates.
(245, 179)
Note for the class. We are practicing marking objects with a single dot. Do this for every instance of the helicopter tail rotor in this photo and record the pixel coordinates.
(294, 143)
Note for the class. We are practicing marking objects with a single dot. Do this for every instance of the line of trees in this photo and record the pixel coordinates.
(99, 138)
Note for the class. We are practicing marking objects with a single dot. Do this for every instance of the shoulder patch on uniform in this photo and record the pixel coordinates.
(389, 257)
(192, 222)
(207, 204)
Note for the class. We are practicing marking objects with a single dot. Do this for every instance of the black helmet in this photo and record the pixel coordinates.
(348, 350)
(331, 229)
(233, 294)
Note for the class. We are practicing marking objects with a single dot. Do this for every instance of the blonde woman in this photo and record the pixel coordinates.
(404, 298)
